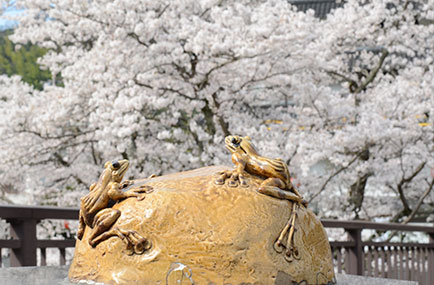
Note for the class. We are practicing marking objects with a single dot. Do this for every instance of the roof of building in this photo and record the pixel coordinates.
(321, 7)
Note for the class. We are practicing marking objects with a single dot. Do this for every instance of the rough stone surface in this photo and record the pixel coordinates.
(221, 234)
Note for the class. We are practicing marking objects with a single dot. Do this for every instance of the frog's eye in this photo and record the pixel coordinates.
(116, 164)
(234, 141)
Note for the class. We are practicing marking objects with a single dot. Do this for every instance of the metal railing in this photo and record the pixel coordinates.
(24, 244)
(406, 261)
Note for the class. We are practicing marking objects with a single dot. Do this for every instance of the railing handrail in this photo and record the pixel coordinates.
(71, 213)
(37, 212)
(362, 225)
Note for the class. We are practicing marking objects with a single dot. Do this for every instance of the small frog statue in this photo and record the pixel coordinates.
(277, 181)
(99, 217)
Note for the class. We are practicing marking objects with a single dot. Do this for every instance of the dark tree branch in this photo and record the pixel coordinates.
(347, 79)
(371, 76)
(416, 208)
(136, 37)
(333, 176)
(223, 124)
(47, 137)
(403, 182)
(355, 87)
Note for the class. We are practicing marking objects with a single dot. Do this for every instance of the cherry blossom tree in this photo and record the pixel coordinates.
(346, 101)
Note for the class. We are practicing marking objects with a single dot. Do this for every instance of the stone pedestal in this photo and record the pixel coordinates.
(50, 275)
(207, 234)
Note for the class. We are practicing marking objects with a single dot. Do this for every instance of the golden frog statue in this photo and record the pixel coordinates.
(277, 181)
(96, 214)
(203, 233)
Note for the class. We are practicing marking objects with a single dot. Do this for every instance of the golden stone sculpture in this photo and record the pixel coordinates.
(211, 225)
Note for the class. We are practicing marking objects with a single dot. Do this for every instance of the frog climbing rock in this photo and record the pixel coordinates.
(96, 214)
(277, 181)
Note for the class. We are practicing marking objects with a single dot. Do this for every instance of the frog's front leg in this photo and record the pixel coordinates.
(139, 192)
(223, 175)
(240, 161)
(115, 193)
(233, 177)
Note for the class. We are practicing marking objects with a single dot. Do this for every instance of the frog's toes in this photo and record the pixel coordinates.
(137, 244)
(140, 197)
(146, 189)
(142, 245)
(125, 184)
(243, 182)
(80, 233)
(222, 177)
(233, 183)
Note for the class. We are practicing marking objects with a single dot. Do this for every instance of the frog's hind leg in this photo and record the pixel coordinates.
(103, 221)
(81, 226)
(136, 244)
(292, 189)
(274, 187)
(101, 231)
(272, 182)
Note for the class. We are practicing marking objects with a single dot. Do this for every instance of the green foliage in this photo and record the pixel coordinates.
(22, 61)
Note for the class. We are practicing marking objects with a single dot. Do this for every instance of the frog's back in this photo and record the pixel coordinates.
(268, 168)
(94, 201)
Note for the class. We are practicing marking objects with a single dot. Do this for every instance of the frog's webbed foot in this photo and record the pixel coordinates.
(223, 175)
(237, 177)
(290, 251)
(291, 254)
(140, 192)
(136, 244)
(233, 177)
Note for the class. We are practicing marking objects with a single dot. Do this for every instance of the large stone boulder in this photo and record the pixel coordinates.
(208, 233)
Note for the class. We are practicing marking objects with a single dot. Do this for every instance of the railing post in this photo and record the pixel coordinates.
(25, 231)
(355, 254)
(62, 259)
(431, 261)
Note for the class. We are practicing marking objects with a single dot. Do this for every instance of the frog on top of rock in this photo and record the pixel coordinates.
(277, 181)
